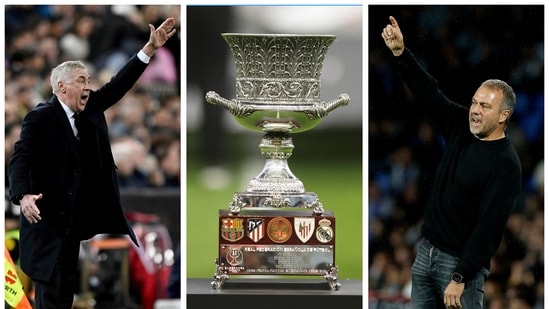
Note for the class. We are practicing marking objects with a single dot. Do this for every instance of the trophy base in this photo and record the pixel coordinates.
(274, 242)
(248, 200)
(220, 276)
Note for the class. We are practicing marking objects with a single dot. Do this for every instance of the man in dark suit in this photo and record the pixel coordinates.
(63, 175)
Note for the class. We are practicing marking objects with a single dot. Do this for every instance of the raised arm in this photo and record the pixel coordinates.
(393, 38)
(446, 114)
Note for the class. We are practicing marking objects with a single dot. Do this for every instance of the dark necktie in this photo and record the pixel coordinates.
(76, 117)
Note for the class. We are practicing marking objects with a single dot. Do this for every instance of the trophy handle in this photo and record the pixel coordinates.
(320, 110)
(237, 109)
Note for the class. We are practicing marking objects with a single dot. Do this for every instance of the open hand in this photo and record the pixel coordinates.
(452, 295)
(160, 36)
(29, 208)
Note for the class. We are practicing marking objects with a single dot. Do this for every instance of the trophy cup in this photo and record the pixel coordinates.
(276, 227)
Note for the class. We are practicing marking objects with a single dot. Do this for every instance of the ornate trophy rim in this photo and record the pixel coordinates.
(278, 71)
(278, 80)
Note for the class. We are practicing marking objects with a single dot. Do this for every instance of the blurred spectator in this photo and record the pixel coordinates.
(162, 69)
(169, 154)
(130, 159)
(75, 43)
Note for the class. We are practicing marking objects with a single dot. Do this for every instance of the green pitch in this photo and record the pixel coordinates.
(328, 163)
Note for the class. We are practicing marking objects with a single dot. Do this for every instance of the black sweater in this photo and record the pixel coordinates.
(476, 184)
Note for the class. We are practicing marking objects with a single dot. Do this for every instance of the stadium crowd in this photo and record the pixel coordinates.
(461, 46)
(145, 125)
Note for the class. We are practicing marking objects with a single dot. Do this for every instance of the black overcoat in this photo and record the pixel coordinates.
(46, 160)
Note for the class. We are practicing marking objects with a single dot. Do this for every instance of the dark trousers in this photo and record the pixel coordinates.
(58, 292)
(431, 273)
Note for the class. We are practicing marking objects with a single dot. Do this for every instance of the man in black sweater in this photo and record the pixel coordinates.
(475, 189)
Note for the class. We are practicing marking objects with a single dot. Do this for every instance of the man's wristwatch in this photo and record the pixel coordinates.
(457, 278)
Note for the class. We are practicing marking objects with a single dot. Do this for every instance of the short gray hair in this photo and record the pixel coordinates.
(509, 98)
(63, 72)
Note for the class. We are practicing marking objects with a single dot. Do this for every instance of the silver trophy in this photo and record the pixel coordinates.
(277, 94)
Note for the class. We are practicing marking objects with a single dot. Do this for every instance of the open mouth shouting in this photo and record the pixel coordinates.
(475, 122)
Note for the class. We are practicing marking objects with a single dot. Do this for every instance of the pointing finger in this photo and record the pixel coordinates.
(393, 21)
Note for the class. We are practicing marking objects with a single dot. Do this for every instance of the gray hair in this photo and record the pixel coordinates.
(509, 98)
(63, 72)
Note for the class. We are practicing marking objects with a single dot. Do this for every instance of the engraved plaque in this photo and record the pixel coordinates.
(277, 259)
(276, 242)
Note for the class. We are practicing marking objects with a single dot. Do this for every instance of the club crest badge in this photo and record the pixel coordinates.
(324, 232)
(232, 229)
(304, 228)
(234, 256)
(279, 229)
(255, 229)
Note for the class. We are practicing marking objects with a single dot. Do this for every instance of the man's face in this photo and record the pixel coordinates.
(76, 91)
(486, 119)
